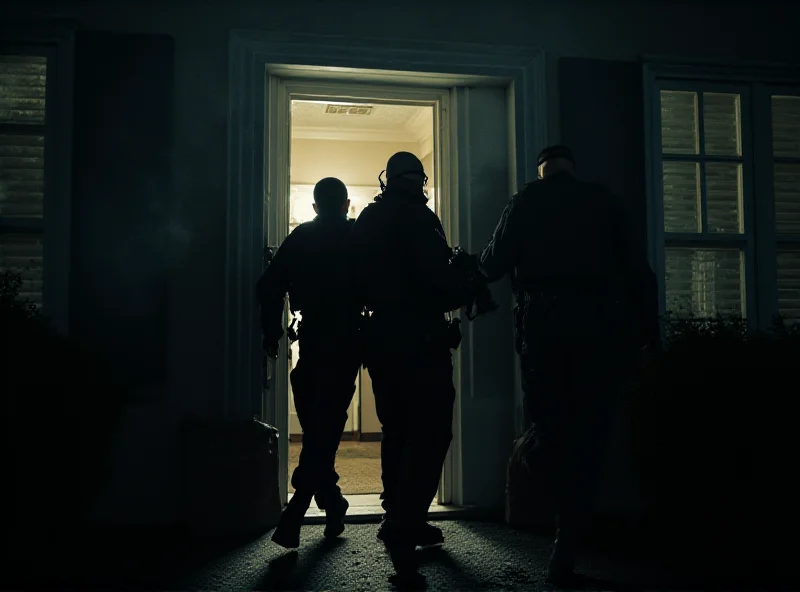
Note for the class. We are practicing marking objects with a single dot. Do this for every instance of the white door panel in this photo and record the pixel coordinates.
(369, 413)
(487, 357)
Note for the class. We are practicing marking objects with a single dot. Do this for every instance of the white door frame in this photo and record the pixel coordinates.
(254, 57)
(282, 92)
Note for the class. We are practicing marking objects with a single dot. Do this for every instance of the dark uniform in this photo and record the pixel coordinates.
(408, 284)
(586, 303)
(314, 265)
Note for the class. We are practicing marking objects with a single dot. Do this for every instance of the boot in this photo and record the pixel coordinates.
(400, 542)
(287, 534)
(422, 535)
(335, 512)
(429, 535)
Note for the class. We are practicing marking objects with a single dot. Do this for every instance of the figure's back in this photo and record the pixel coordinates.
(567, 232)
(389, 282)
(570, 265)
(321, 283)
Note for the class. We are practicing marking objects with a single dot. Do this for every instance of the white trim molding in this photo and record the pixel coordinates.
(423, 64)
(420, 125)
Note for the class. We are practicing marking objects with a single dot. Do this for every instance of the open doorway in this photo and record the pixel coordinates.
(349, 131)
(351, 141)
(492, 118)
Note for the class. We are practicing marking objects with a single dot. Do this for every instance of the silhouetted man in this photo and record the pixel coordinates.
(587, 301)
(407, 284)
(314, 265)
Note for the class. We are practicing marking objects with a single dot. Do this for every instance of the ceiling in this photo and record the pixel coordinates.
(361, 121)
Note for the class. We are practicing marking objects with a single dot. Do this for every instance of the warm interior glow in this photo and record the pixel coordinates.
(354, 149)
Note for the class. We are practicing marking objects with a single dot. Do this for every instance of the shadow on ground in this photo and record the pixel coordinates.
(476, 556)
(621, 555)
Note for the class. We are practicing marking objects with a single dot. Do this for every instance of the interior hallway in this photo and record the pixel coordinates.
(358, 465)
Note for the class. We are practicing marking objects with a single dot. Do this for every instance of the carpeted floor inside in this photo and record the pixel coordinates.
(358, 465)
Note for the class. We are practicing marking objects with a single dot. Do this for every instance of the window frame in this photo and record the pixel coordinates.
(756, 83)
(56, 42)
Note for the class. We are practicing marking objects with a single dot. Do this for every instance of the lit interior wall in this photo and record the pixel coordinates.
(357, 164)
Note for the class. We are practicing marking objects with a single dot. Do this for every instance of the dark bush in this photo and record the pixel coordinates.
(59, 413)
(715, 442)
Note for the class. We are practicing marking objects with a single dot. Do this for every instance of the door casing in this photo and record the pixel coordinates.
(258, 57)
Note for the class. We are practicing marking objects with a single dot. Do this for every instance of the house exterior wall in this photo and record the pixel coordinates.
(593, 81)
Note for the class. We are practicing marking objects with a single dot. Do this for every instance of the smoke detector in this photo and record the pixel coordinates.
(348, 109)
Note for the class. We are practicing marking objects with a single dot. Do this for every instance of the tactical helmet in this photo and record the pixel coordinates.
(403, 163)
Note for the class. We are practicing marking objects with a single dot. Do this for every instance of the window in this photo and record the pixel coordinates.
(23, 82)
(703, 202)
(725, 195)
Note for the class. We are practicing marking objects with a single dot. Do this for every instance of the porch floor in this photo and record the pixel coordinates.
(476, 555)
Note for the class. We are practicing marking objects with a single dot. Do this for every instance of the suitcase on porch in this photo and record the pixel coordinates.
(230, 481)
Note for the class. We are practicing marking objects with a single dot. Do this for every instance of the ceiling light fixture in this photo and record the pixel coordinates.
(348, 109)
